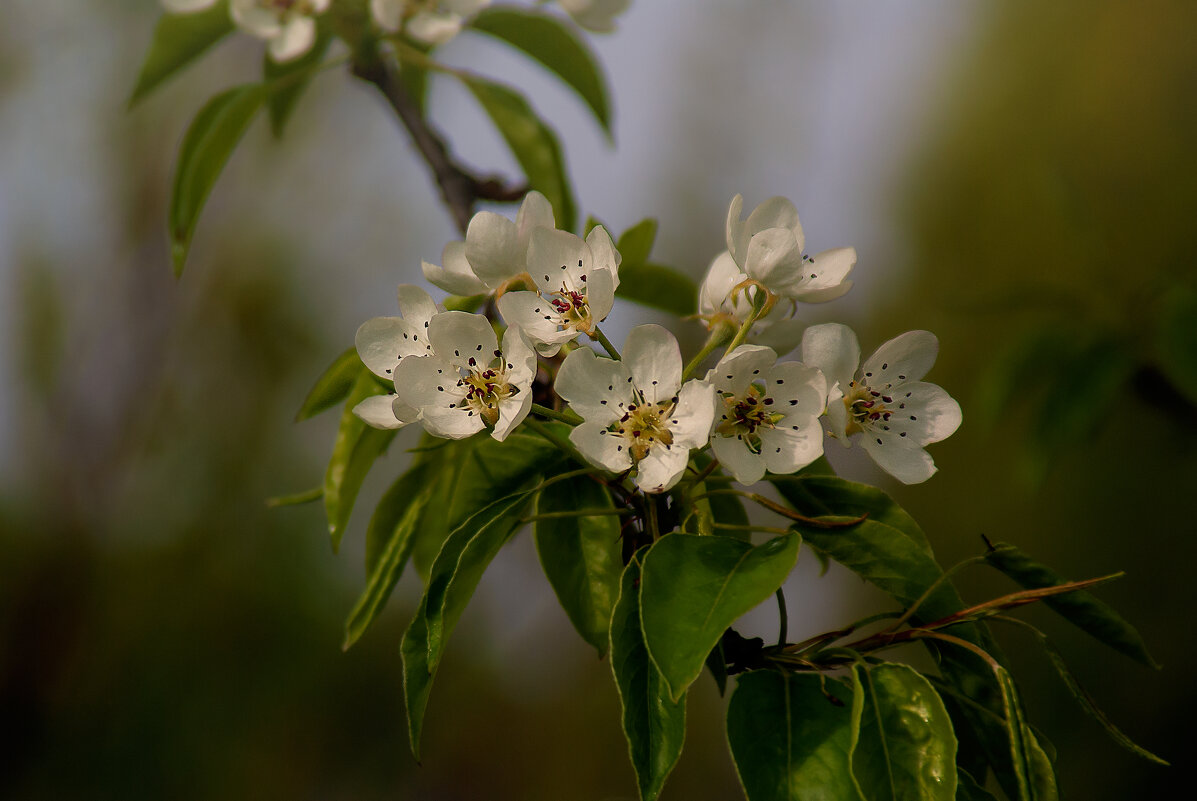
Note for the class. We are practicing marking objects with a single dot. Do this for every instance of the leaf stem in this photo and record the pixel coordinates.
(567, 417)
(784, 616)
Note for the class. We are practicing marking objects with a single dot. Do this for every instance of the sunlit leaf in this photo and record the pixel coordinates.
(333, 385)
(654, 725)
(356, 447)
(546, 39)
(288, 81)
(658, 287)
(206, 148)
(532, 142)
(178, 40)
(636, 243)
(692, 588)
(1034, 775)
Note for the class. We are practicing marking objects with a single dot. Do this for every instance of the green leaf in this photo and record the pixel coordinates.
(592, 222)
(655, 727)
(206, 148)
(1176, 340)
(394, 523)
(1081, 608)
(332, 386)
(1034, 775)
(967, 788)
(356, 447)
(288, 81)
(470, 303)
(178, 40)
(581, 556)
(455, 575)
(532, 142)
(636, 243)
(792, 737)
(694, 587)
(658, 287)
(907, 749)
(815, 493)
(297, 498)
(544, 38)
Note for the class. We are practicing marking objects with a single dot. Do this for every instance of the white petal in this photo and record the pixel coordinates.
(255, 20)
(714, 296)
(187, 6)
(382, 341)
(655, 361)
(837, 415)
(736, 370)
(832, 348)
(520, 359)
(511, 413)
(600, 294)
(922, 413)
(734, 454)
(492, 246)
(774, 259)
(427, 382)
(661, 468)
(417, 306)
(603, 252)
(906, 357)
(737, 236)
(460, 336)
(602, 448)
(387, 13)
(378, 411)
(595, 15)
(432, 28)
(535, 212)
(908, 464)
(693, 416)
(776, 212)
(456, 276)
(830, 268)
(536, 317)
(787, 449)
(296, 38)
(555, 257)
(796, 388)
(320, 6)
(441, 421)
(595, 388)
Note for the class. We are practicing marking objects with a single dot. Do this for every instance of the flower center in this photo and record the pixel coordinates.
(743, 416)
(485, 389)
(866, 407)
(571, 305)
(644, 425)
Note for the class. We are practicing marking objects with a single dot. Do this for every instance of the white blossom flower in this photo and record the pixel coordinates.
(468, 384)
(430, 21)
(287, 26)
(770, 414)
(886, 402)
(768, 248)
(187, 6)
(718, 299)
(595, 15)
(495, 251)
(636, 412)
(575, 281)
(383, 342)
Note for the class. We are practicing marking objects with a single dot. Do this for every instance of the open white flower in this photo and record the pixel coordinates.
(770, 415)
(768, 248)
(595, 15)
(287, 26)
(637, 413)
(383, 342)
(468, 384)
(575, 281)
(430, 21)
(886, 402)
(187, 6)
(495, 251)
(718, 299)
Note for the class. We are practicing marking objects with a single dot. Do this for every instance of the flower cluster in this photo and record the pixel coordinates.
(287, 26)
(639, 412)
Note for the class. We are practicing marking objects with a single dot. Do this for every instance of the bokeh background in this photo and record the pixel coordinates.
(1017, 177)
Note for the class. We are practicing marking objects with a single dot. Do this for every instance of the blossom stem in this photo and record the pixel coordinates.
(719, 334)
(784, 617)
(759, 302)
(598, 336)
(567, 417)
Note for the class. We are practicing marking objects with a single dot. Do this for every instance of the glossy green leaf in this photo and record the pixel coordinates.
(288, 81)
(1034, 775)
(546, 39)
(1081, 608)
(658, 287)
(907, 749)
(693, 587)
(333, 385)
(815, 493)
(454, 577)
(792, 737)
(356, 447)
(533, 144)
(636, 243)
(1176, 340)
(581, 556)
(654, 725)
(206, 148)
(967, 788)
(178, 40)
(394, 523)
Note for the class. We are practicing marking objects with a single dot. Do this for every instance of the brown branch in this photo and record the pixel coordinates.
(460, 189)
